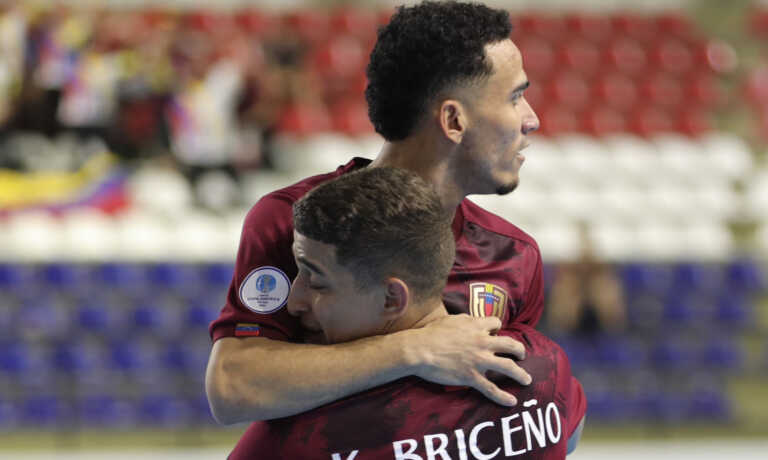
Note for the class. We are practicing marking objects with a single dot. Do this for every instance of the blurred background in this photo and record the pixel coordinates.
(135, 135)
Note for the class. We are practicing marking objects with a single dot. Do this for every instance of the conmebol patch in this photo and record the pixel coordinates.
(265, 290)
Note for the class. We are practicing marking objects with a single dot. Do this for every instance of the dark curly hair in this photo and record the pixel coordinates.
(383, 222)
(424, 49)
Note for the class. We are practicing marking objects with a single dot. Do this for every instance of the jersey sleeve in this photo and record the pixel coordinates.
(265, 243)
(534, 299)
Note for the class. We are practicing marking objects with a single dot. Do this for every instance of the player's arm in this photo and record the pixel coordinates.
(257, 378)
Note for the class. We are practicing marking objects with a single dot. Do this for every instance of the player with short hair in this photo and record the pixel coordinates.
(373, 249)
(446, 90)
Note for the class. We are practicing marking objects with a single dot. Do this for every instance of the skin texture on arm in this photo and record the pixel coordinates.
(256, 378)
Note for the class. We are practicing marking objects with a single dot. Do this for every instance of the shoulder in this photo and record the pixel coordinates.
(277, 205)
(489, 221)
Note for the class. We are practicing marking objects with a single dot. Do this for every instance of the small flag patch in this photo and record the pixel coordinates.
(247, 330)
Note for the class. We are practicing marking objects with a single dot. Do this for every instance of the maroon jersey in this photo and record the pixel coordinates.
(416, 420)
(498, 269)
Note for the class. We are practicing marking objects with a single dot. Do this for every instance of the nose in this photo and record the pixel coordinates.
(297, 299)
(530, 120)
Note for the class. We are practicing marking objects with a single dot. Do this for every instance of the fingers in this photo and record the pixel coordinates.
(490, 323)
(509, 368)
(492, 392)
(508, 346)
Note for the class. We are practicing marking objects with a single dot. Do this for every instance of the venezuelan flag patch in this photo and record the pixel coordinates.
(247, 330)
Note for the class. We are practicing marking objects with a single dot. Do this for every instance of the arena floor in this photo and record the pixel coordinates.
(678, 450)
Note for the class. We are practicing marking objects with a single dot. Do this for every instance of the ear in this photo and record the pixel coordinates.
(397, 298)
(453, 120)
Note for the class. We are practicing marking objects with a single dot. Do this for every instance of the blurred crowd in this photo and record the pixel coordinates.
(209, 88)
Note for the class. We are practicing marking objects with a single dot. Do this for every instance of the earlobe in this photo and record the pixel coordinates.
(397, 298)
(452, 120)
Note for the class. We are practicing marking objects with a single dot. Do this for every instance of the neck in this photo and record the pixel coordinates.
(430, 159)
(420, 315)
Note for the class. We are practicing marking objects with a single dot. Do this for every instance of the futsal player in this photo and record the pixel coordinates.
(446, 92)
(373, 249)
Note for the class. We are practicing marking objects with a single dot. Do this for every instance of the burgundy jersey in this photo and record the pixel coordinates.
(498, 269)
(417, 420)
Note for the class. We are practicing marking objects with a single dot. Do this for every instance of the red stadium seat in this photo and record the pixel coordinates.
(550, 27)
(616, 90)
(579, 55)
(636, 26)
(757, 16)
(256, 22)
(694, 122)
(312, 26)
(351, 119)
(662, 90)
(538, 57)
(675, 24)
(651, 120)
(626, 55)
(342, 57)
(704, 90)
(756, 86)
(302, 120)
(569, 90)
(672, 56)
(358, 22)
(557, 120)
(596, 28)
(602, 121)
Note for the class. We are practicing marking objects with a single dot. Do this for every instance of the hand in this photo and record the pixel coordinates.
(460, 349)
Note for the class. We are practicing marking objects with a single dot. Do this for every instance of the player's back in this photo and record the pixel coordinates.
(414, 419)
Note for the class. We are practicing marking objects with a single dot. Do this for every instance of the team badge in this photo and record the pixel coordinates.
(265, 290)
(487, 299)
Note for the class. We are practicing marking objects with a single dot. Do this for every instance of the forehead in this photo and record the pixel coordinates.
(507, 62)
(320, 254)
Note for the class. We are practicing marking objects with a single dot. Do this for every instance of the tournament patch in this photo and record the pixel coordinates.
(247, 330)
(487, 299)
(265, 290)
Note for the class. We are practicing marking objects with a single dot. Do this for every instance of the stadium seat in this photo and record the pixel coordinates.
(539, 57)
(640, 278)
(43, 317)
(15, 277)
(580, 56)
(672, 355)
(634, 25)
(217, 274)
(122, 277)
(164, 410)
(131, 357)
(626, 56)
(76, 358)
(662, 90)
(746, 276)
(9, 415)
(696, 279)
(721, 355)
(106, 411)
(672, 56)
(594, 27)
(733, 311)
(46, 410)
(62, 276)
(708, 405)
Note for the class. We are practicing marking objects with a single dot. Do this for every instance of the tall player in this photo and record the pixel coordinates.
(446, 92)
(373, 249)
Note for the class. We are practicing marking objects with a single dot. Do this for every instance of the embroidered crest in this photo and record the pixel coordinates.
(487, 299)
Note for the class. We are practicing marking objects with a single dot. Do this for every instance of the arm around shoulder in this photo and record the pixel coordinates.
(256, 378)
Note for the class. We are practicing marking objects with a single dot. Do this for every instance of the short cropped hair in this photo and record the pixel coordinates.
(384, 222)
(425, 49)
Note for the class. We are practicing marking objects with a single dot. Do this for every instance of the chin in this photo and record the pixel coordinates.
(506, 189)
